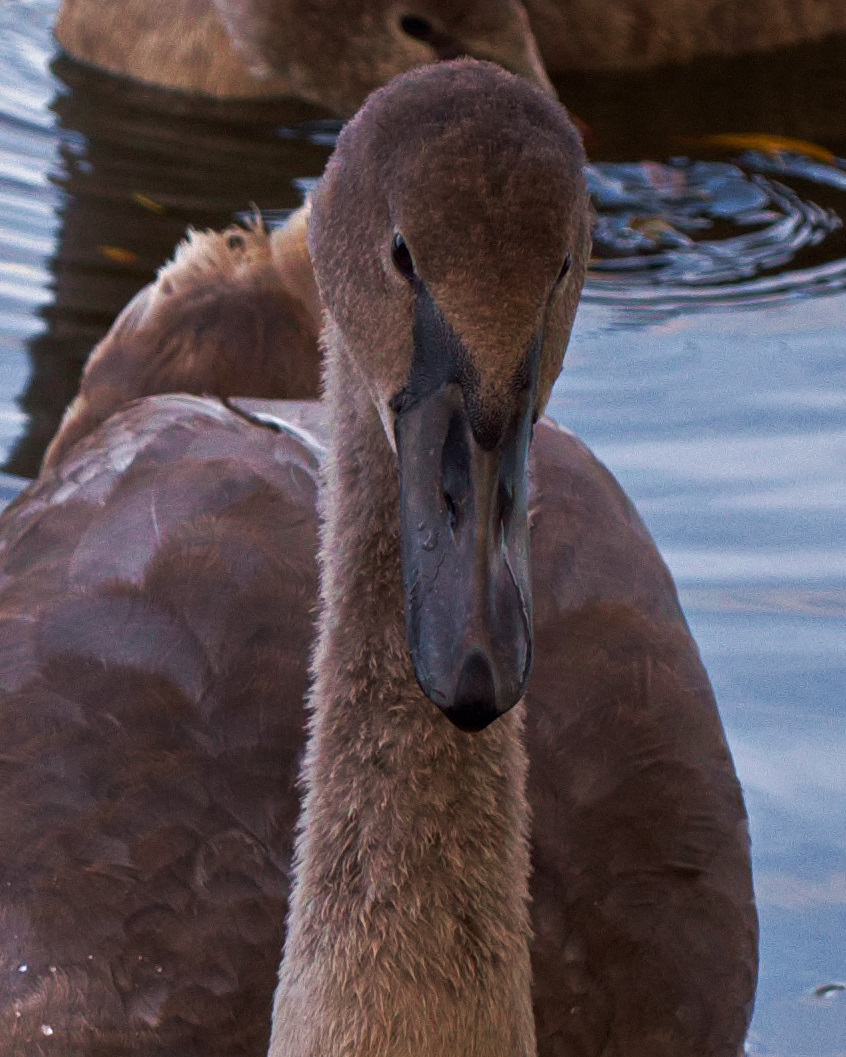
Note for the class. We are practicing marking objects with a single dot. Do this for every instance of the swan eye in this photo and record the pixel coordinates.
(401, 257)
(565, 267)
(418, 27)
(443, 44)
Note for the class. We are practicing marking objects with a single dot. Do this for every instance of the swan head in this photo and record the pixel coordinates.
(450, 236)
(335, 52)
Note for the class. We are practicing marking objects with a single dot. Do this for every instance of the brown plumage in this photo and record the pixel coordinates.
(158, 601)
(640, 34)
(235, 312)
(330, 52)
(334, 53)
(151, 726)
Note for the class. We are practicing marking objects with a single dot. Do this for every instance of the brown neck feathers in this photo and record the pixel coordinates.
(408, 930)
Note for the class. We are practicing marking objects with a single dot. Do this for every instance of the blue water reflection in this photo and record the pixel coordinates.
(729, 431)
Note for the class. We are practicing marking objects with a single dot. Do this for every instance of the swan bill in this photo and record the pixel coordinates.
(464, 530)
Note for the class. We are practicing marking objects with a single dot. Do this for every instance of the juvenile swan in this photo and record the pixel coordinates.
(449, 237)
(331, 52)
(156, 617)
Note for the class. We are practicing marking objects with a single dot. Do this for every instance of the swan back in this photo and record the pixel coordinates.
(156, 617)
(645, 34)
(234, 313)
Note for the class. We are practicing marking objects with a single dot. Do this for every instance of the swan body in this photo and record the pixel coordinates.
(331, 53)
(149, 811)
(158, 599)
(152, 730)
(643, 34)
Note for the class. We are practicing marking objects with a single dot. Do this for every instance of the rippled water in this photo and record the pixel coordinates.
(693, 233)
(708, 369)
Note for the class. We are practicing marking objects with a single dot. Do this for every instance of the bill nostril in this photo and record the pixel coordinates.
(505, 505)
(455, 471)
(452, 510)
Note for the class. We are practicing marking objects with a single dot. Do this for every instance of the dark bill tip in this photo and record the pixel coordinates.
(474, 706)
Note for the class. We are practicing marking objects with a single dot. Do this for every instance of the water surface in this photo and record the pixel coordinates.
(707, 368)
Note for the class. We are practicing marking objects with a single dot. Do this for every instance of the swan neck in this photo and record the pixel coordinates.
(408, 925)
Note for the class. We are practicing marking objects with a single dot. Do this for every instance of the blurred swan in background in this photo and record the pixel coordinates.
(332, 53)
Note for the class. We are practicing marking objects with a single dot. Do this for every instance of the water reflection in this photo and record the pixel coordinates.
(696, 223)
(796, 92)
(132, 170)
(729, 429)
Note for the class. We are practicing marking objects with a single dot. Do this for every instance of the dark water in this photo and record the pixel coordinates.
(708, 369)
